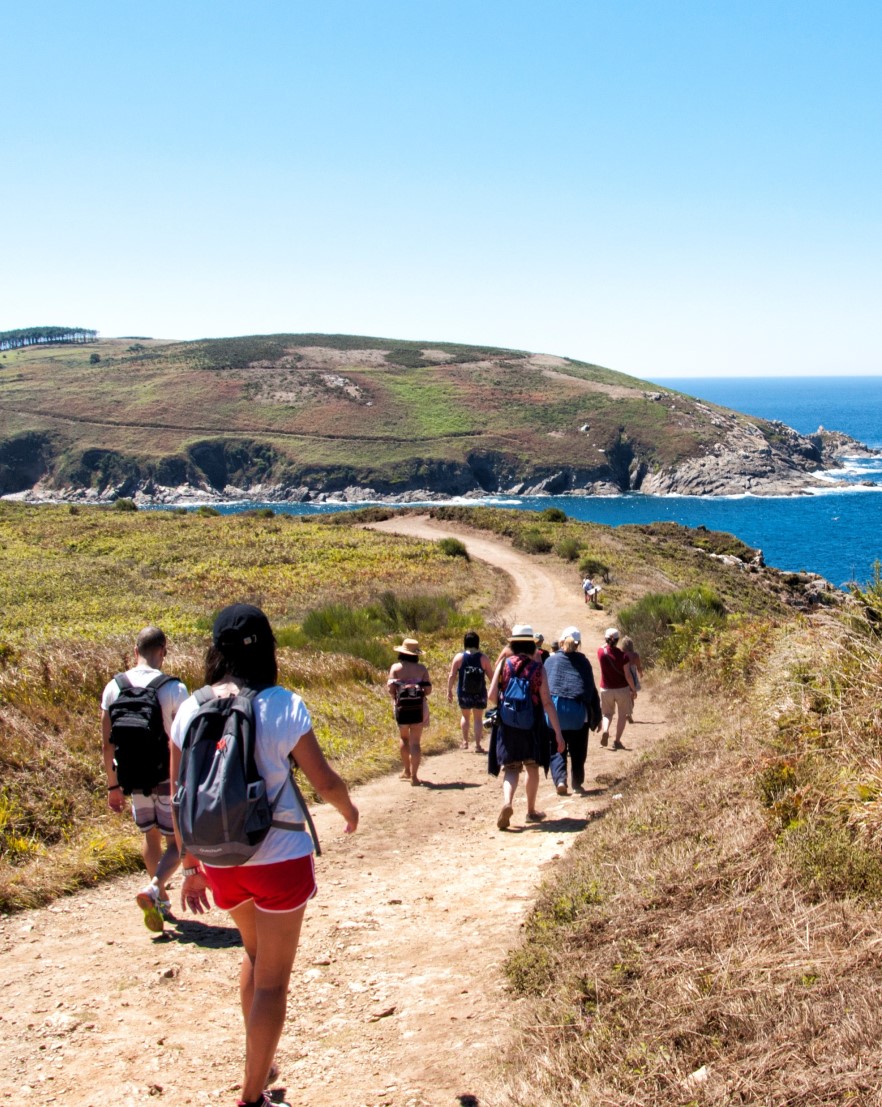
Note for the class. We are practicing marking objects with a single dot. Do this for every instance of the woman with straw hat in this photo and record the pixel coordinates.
(409, 684)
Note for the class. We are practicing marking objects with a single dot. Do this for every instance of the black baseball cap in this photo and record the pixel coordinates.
(241, 624)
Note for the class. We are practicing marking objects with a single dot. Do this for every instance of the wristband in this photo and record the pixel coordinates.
(194, 871)
(113, 787)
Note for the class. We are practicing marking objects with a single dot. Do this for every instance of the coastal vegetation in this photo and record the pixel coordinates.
(715, 939)
(711, 940)
(296, 415)
(77, 583)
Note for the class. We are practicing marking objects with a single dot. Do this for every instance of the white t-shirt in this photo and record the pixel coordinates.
(171, 695)
(281, 719)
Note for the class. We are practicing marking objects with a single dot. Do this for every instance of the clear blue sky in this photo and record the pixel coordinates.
(679, 187)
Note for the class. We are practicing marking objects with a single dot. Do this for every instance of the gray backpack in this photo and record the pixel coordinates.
(221, 804)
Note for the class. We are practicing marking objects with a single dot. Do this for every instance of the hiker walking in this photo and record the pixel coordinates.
(137, 709)
(266, 895)
(409, 685)
(590, 591)
(520, 737)
(635, 664)
(470, 671)
(575, 698)
(617, 690)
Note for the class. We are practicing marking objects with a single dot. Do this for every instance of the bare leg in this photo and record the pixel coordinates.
(464, 727)
(167, 865)
(151, 848)
(404, 751)
(532, 787)
(478, 725)
(270, 940)
(510, 786)
(416, 732)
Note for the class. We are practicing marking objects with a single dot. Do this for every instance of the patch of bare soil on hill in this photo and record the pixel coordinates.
(397, 997)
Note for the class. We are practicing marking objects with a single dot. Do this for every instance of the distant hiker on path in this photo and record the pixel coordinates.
(617, 690)
(571, 683)
(266, 895)
(137, 709)
(635, 665)
(409, 684)
(470, 671)
(520, 737)
(590, 590)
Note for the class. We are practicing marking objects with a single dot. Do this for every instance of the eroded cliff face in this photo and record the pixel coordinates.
(756, 458)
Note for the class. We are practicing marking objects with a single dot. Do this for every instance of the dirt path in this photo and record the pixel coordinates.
(397, 997)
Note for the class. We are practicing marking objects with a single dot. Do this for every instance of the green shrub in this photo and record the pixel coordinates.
(453, 548)
(206, 509)
(123, 504)
(416, 611)
(667, 625)
(532, 540)
(553, 515)
(591, 567)
(568, 548)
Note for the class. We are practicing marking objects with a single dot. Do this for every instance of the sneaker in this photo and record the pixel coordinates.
(604, 738)
(535, 816)
(504, 817)
(148, 900)
(562, 789)
(264, 1101)
(617, 745)
(165, 910)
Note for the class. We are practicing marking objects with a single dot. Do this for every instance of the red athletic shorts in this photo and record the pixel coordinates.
(284, 886)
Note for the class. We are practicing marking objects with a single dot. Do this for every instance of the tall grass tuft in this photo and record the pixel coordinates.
(667, 624)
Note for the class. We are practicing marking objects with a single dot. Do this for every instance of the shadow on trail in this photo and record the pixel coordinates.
(567, 825)
(193, 932)
(448, 785)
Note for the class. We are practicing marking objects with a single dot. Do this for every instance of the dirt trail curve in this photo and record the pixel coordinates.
(397, 998)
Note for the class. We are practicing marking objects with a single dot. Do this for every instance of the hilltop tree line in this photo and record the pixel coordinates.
(43, 336)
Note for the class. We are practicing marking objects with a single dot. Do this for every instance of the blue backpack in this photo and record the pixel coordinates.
(571, 714)
(516, 704)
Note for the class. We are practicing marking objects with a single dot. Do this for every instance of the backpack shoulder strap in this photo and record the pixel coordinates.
(160, 681)
(298, 826)
(123, 682)
(204, 694)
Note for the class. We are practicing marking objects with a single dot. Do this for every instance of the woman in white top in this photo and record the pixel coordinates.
(267, 894)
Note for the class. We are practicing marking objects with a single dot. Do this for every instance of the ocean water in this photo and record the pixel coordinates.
(835, 533)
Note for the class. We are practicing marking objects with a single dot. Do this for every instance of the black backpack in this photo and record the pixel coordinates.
(222, 809)
(138, 733)
(473, 685)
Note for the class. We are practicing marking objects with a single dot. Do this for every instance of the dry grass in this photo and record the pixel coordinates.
(685, 952)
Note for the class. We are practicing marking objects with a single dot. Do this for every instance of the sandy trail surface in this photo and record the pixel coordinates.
(397, 997)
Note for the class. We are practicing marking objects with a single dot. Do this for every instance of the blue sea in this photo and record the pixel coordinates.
(837, 533)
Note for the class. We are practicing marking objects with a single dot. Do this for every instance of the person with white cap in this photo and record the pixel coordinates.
(617, 690)
(520, 737)
(574, 693)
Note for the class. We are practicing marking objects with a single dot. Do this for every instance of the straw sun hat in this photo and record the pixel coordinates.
(410, 647)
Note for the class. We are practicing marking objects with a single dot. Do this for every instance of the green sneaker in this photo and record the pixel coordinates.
(148, 900)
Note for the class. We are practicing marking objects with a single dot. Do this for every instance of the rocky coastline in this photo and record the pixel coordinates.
(746, 462)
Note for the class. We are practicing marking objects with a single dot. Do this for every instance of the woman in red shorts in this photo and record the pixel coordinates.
(267, 894)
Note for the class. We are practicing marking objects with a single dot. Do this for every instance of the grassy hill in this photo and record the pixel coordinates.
(286, 412)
